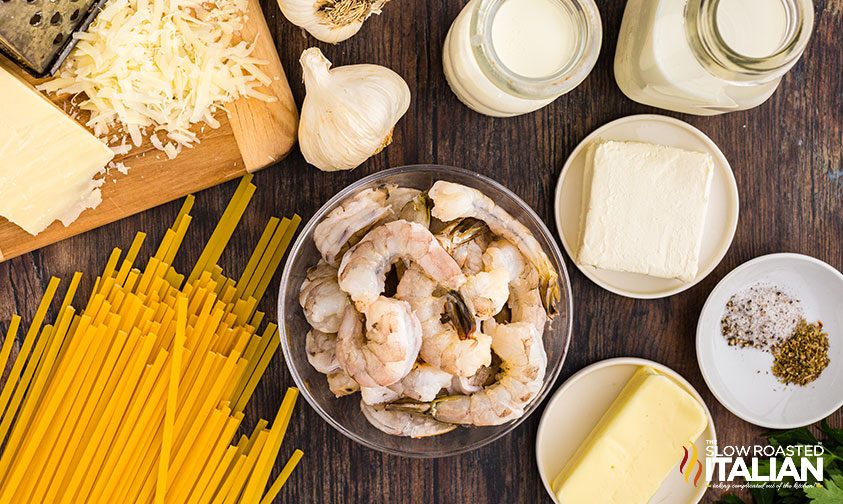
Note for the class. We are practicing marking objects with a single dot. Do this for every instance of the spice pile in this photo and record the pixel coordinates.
(803, 357)
(767, 317)
(761, 316)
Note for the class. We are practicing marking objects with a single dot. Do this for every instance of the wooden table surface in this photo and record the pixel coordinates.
(786, 155)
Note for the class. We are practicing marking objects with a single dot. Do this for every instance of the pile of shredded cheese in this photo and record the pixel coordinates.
(157, 67)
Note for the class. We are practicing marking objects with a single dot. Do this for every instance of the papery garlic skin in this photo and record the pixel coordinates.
(349, 112)
(330, 20)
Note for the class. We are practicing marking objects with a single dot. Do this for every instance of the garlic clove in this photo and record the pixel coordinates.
(330, 20)
(349, 112)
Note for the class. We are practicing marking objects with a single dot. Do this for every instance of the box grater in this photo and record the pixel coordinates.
(37, 34)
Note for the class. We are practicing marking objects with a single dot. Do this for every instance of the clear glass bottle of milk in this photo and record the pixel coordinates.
(708, 57)
(508, 57)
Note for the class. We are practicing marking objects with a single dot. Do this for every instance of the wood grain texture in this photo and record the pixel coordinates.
(265, 132)
(786, 155)
(253, 135)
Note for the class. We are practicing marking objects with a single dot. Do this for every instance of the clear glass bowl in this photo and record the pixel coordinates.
(344, 413)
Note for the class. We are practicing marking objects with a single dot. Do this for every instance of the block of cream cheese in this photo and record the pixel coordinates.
(644, 208)
(635, 445)
(47, 160)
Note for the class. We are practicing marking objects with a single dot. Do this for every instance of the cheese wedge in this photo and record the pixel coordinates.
(47, 160)
(637, 442)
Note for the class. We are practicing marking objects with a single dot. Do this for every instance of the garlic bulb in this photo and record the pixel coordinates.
(330, 20)
(349, 112)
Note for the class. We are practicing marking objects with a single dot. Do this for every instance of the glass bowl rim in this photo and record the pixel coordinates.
(344, 193)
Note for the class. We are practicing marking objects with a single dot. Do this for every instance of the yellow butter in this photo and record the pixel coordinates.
(47, 160)
(637, 442)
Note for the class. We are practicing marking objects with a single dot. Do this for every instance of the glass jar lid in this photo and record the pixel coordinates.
(705, 32)
(586, 47)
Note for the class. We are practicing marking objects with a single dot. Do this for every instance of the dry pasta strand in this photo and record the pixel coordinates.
(278, 484)
(137, 397)
(172, 397)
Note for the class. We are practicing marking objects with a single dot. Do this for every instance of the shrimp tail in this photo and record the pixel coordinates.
(462, 231)
(459, 314)
(450, 409)
(411, 406)
(417, 210)
(407, 405)
(550, 293)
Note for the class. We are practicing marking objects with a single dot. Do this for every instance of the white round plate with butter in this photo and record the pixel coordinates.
(721, 217)
(740, 378)
(578, 405)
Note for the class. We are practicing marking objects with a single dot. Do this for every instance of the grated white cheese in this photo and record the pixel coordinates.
(121, 149)
(160, 65)
(119, 166)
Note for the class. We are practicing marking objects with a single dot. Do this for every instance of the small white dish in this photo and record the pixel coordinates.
(720, 223)
(740, 378)
(577, 406)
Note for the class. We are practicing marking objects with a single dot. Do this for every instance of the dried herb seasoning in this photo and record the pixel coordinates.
(802, 358)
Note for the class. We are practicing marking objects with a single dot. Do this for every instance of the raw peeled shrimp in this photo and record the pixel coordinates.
(487, 292)
(486, 289)
(461, 385)
(398, 197)
(465, 240)
(384, 350)
(524, 297)
(469, 256)
(446, 345)
(379, 395)
(523, 364)
(359, 213)
(322, 299)
(519, 345)
(321, 351)
(423, 383)
(353, 215)
(471, 384)
(453, 345)
(415, 286)
(340, 384)
(400, 423)
(455, 201)
(363, 268)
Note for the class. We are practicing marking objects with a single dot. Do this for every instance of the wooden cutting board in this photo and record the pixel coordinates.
(252, 135)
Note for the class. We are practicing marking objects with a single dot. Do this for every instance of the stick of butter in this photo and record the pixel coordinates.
(635, 445)
(47, 160)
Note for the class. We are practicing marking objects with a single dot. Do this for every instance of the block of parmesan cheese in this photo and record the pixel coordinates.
(634, 446)
(47, 160)
(644, 208)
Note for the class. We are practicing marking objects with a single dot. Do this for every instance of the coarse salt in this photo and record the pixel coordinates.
(761, 316)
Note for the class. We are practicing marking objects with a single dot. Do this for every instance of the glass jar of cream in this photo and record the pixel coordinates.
(509, 57)
(708, 57)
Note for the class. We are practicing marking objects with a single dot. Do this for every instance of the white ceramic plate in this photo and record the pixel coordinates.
(577, 406)
(740, 378)
(721, 219)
